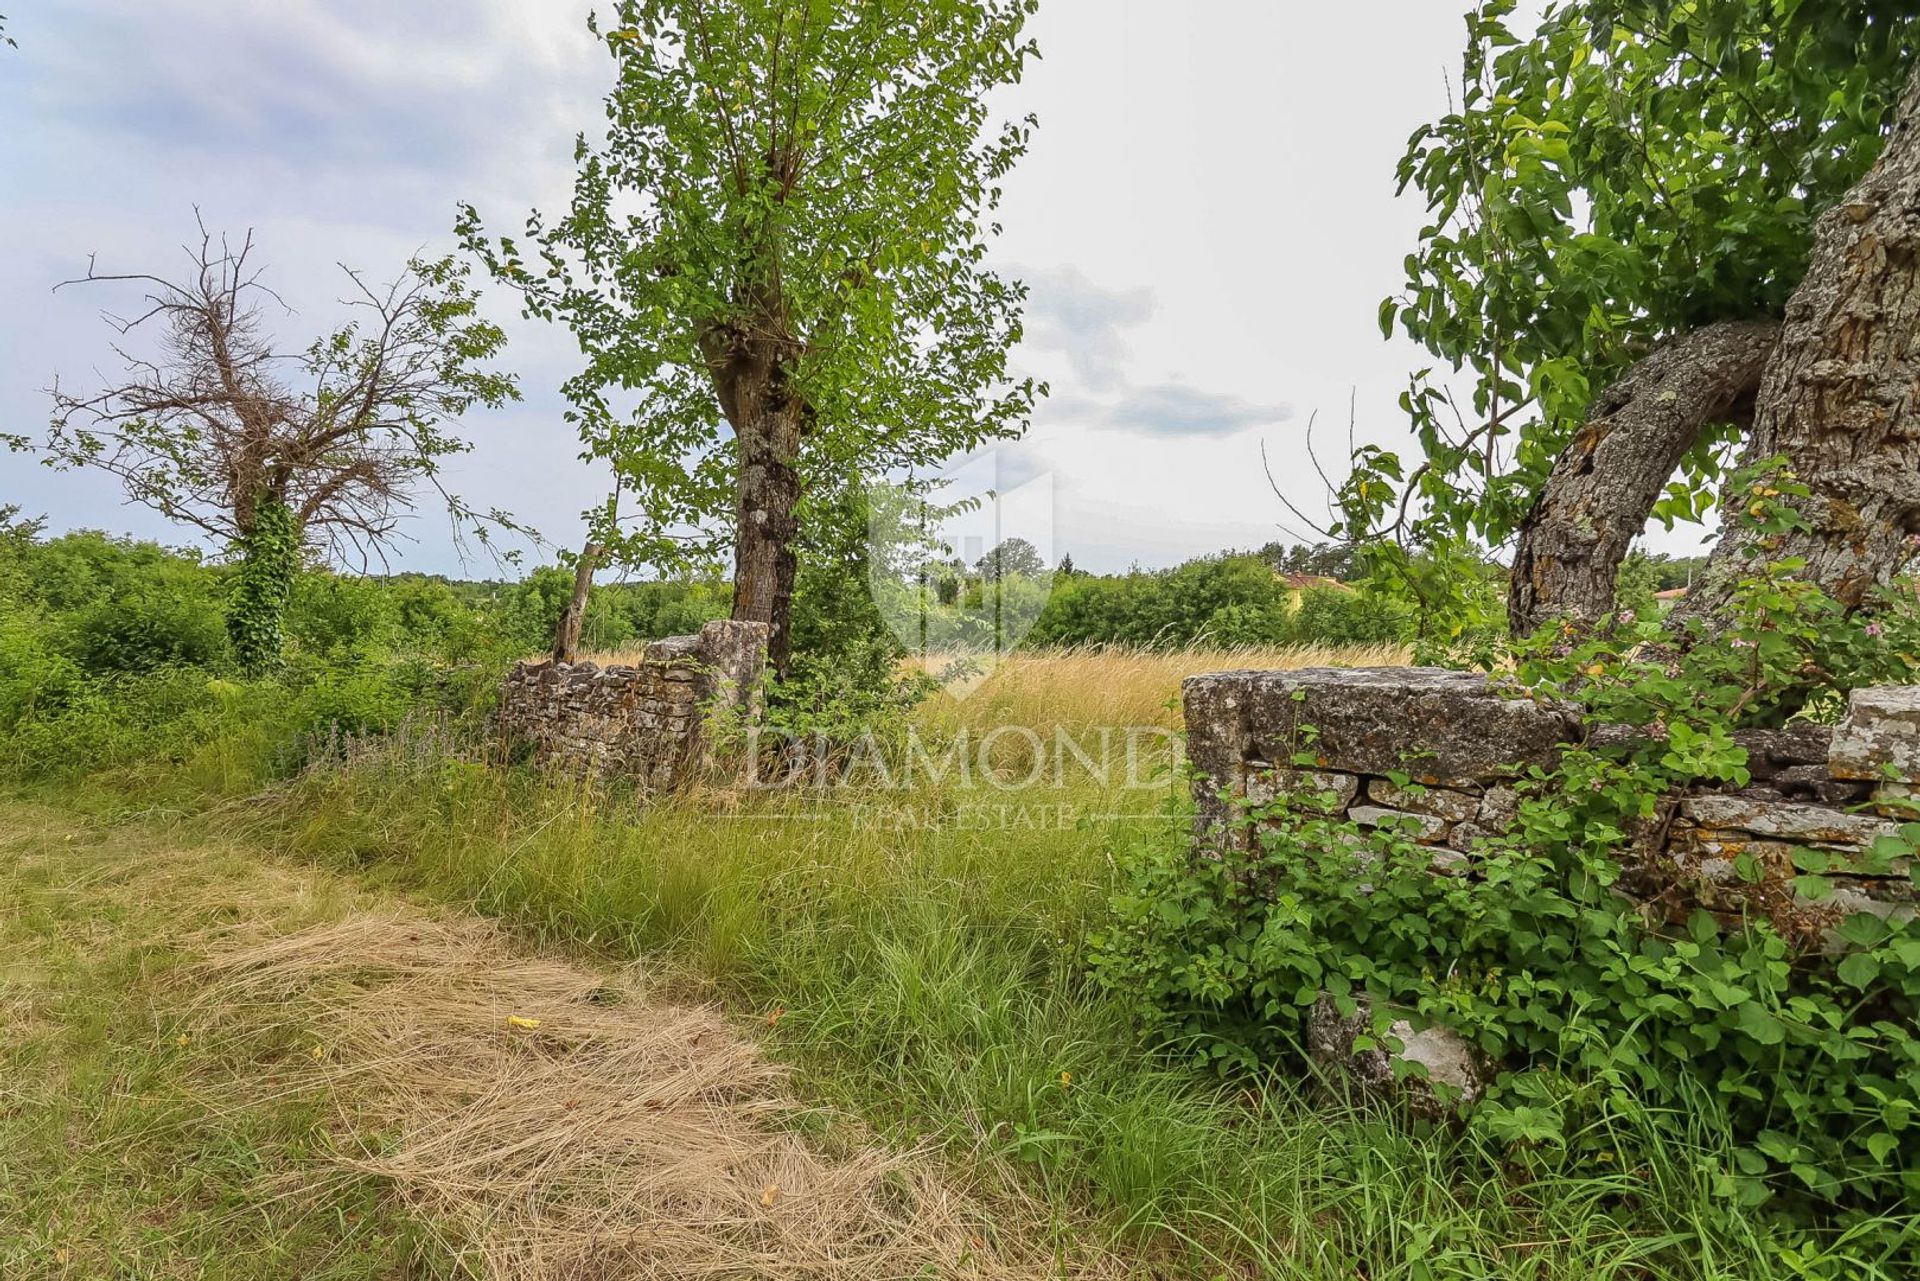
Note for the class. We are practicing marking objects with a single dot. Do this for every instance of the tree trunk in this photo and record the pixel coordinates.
(256, 609)
(1838, 399)
(766, 529)
(566, 640)
(751, 377)
(1606, 481)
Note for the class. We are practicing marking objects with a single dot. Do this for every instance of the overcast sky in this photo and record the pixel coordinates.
(1207, 220)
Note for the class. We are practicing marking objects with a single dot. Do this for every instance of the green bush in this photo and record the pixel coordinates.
(145, 629)
(1216, 600)
(334, 616)
(1601, 1021)
(1334, 616)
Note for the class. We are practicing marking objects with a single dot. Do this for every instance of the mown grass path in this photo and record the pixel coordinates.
(217, 1064)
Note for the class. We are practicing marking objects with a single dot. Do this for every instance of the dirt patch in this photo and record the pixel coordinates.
(559, 1123)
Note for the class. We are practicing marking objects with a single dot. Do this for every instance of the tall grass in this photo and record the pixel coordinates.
(929, 975)
(1117, 685)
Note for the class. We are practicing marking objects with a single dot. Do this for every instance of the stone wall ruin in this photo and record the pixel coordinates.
(648, 721)
(1820, 798)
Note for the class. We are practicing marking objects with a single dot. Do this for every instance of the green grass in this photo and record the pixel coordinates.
(932, 981)
(921, 965)
(125, 1150)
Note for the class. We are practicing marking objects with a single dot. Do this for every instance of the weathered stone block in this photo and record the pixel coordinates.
(1263, 785)
(1439, 726)
(1499, 808)
(1465, 837)
(1799, 744)
(1441, 802)
(1448, 1058)
(1785, 820)
(1879, 738)
(1423, 827)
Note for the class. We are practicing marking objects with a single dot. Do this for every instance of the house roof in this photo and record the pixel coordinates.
(1672, 593)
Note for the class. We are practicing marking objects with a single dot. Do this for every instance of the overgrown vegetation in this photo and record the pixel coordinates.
(1618, 1035)
(925, 955)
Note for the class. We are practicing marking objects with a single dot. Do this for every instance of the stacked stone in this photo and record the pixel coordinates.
(1831, 803)
(1822, 802)
(644, 721)
(1344, 735)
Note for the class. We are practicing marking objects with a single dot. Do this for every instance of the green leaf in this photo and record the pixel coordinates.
(1758, 1024)
(1858, 970)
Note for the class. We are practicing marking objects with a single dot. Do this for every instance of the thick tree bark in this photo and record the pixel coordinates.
(751, 376)
(1606, 481)
(566, 640)
(767, 529)
(1839, 398)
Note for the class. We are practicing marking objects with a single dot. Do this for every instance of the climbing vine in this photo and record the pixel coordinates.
(262, 585)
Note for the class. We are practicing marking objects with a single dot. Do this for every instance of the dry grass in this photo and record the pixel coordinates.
(561, 1124)
(1101, 685)
(1117, 686)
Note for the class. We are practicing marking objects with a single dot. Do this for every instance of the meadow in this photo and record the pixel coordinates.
(918, 956)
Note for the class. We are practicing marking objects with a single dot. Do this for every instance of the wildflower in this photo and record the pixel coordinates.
(1626, 617)
(1875, 629)
(1066, 1079)
(182, 1039)
(521, 1020)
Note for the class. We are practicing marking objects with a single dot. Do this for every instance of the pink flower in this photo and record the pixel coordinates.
(1626, 617)
(1874, 629)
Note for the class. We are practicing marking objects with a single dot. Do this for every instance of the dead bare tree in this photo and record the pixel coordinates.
(272, 455)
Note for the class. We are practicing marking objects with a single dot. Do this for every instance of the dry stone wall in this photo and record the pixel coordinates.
(1820, 797)
(1446, 756)
(648, 721)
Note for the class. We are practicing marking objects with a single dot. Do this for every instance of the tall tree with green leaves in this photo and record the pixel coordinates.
(775, 266)
(1665, 236)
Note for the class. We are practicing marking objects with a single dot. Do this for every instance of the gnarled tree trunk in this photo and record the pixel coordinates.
(1839, 398)
(1611, 473)
(751, 374)
(1837, 383)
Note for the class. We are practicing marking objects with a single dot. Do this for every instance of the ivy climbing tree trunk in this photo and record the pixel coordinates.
(1606, 481)
(767, 530)
(269, 557)
(1838, 401)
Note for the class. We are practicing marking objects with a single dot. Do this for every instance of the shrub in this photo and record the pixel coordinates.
(146, 628)
(335, 616)
(1603, 1020)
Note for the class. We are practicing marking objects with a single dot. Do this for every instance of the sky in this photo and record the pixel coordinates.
(1207, 219)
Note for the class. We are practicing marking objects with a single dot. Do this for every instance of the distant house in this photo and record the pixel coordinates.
(1671, 594)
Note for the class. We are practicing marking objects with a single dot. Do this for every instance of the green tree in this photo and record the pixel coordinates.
(783, 238)
(209, 433)
(1648, 221)
(1012, 556)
